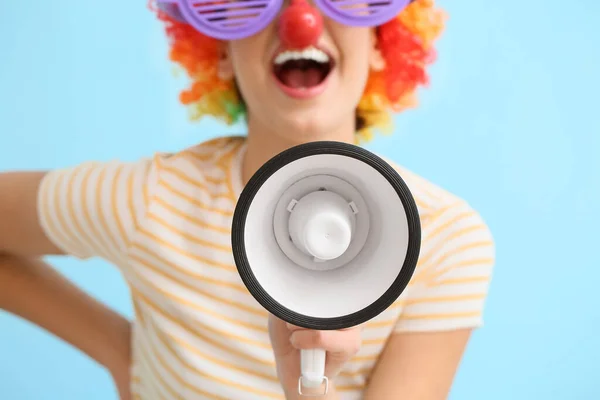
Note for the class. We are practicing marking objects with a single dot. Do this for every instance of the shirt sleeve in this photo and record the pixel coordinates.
(451, 284)
(92, 209)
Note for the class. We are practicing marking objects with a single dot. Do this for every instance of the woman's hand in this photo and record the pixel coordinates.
(287, 340)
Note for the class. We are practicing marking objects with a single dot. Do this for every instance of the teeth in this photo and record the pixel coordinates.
(308, 54)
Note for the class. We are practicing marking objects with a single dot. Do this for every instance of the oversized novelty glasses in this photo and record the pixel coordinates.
(237, 19)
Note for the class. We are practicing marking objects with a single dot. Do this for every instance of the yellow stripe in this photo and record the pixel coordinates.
(374, 342)
(214, 378)
(241, 306)
(226, 212)
(130, 204)
(58, 212)
(201, 354)
(198, 333)
(145, 185)
(196, 274)
(350, 388)
(423, 273)
(86, 212)
(100, 209)
(115, 206)
(184, 302)
(52, 228)
(486, 262)
(468, 314)
(191, 218)
(205, 260)
(462, 281)
(152, 216)
(442, 228)
(436, 250)
(458, 250)
(200, 336)
(225, 163)
(158, 376)
(182, 381)
(444, 299)
(194, 182)
(79, 233)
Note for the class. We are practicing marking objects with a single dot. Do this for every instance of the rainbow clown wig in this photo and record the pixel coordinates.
(406, 44)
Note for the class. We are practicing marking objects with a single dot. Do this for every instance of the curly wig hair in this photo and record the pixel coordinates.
(406, 44)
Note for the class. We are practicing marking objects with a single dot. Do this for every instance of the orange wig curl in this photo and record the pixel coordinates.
(405, 42)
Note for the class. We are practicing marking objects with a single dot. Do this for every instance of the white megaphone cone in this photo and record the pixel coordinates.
(325, 235)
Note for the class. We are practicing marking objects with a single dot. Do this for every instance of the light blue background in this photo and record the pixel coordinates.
(511, 123)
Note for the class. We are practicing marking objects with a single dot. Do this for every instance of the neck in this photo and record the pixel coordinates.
(264, 143)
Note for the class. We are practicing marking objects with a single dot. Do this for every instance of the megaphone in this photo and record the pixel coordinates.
(326, 236)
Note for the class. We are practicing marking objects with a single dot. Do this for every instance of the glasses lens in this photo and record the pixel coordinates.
(223, 19)
(362, 12)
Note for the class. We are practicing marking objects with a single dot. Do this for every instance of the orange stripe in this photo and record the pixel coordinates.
(130, 203)
(200, 336)
(422, 274)
(191, 218)
(180, 380)
(100, 210)
(196, 333)
(194, 201)
(161, 242)
(468, 314)
(486, 262)
(86, 212)
(145, 184)
(350, 388)
(159, 376)
(79, 233)
(440, 299)
(52, 228)
(201, 276)
(199, 353)
(59, 215)
(163, 222)
(181, 301)
(468, 246)
(467, 280)
(241, 306)
(427, 274)
(194, 182)
(374, 342)
(115, 206)
(214, 378)
(225, 165)
(449, 223)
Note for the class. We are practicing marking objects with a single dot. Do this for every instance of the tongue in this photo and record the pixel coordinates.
(298, 78)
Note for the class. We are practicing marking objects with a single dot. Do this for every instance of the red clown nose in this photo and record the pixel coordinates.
(300, 25)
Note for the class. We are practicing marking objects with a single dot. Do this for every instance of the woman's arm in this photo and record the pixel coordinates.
(447, 303)
(418, 366)
(36, 292)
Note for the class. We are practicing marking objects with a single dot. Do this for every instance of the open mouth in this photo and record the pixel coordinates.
(304, 69)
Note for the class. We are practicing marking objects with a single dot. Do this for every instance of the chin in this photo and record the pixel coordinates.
(307, 126)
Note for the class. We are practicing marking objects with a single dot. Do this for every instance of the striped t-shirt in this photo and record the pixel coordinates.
(198, 333)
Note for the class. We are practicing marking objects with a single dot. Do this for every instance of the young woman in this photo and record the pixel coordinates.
(304, 75)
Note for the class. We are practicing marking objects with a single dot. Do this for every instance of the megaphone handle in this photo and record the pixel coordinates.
(312, 370)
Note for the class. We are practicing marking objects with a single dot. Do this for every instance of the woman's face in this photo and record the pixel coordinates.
(306, 93)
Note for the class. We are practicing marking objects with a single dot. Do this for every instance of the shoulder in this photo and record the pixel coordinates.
(436, 203)
(455, 235)
(202, 160)
(451, 283)
(213, 150)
